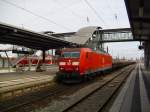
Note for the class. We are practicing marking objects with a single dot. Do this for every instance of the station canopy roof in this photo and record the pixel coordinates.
(17, 36)
(139, 17)
(82, 35)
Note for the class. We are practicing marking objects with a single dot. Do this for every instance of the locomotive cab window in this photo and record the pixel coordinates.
(66, 54)
(75, 54)
(71, 54)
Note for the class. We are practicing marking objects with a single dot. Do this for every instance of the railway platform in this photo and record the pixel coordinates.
(18, 75)
(17, 83)
(135, 95)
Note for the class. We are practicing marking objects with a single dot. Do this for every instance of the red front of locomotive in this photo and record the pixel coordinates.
(69, 64)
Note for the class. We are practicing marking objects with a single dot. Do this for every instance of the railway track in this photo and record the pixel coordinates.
(29, 99)
(96, 100)
(52, 91)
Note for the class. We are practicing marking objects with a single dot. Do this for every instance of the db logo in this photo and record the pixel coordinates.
(69, 63)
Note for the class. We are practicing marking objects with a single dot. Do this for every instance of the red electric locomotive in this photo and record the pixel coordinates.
(80, 63)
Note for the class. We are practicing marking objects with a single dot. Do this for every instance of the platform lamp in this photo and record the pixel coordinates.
(141, 46)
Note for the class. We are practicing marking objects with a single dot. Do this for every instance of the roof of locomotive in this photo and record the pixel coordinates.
(73, 49)
(87, 49)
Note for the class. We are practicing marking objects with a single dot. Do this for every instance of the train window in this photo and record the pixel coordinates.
(66, 54)
(75, 54)
(71, 54)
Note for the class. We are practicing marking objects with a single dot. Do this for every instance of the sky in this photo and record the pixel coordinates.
(70, 16)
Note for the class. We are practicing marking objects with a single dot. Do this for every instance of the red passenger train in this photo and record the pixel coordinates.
(80, 63)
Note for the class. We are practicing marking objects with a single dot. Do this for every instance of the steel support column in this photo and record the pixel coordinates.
(43, 56)
(30, 63)
(147, 54)
(43, 61)
(101, 44)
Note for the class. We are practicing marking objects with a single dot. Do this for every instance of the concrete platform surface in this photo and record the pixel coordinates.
(10, 82)
(135, 95)
(19, 75)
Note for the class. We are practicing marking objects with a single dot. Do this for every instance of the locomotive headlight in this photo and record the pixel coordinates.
(75, 63)
(61, 68)
(62, 63)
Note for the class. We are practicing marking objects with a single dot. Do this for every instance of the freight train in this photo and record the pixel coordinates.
(76, 64)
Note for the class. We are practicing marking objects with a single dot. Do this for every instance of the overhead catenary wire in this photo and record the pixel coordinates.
(112, 10)
(72, 12)
(32, 13)
(96, 13)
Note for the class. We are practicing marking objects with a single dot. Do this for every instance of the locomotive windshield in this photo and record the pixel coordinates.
(71, 54)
